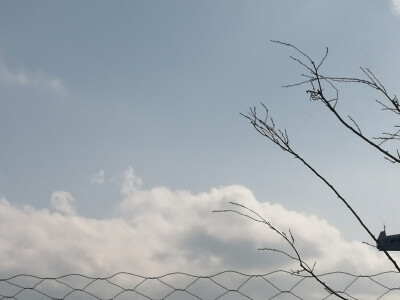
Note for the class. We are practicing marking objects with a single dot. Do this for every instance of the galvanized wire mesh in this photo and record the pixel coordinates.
(181, 286)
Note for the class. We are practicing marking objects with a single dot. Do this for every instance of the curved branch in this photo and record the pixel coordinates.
(289, 239)
(317, 94)
(267, 129)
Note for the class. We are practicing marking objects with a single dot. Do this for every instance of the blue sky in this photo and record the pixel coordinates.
(94, 91)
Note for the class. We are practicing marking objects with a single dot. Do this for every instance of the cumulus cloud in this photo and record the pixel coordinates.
(36, 79)
(63, 202)
(395, 5)
(130, 182)
(159, 230)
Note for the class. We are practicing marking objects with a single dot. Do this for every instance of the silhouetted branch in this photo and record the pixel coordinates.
(266, 127)
(289, 239)
(317, 81)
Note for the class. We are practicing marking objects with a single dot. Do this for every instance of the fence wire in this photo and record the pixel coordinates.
(181, 286)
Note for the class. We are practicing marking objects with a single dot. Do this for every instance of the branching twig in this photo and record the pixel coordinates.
(289, 239)
(267, 128)
(317, 81)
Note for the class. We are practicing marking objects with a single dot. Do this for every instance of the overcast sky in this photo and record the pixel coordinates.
(120, 132)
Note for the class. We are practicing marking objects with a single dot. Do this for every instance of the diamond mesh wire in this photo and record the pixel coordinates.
(225, 285)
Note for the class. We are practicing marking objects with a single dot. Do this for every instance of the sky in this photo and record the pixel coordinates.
(121, 132)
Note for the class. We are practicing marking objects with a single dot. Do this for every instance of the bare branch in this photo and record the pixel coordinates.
(323, 59)
(355, 124)
(316, 93)
(278, 138)
(294, 47)
(296, 256)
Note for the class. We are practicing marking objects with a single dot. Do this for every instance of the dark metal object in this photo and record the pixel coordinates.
(388, 242)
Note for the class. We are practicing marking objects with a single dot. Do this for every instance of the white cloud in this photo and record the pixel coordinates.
(99, 178)
(37, 79)
(130, 182)
(395, 5)
(162, 230)
(63, 202)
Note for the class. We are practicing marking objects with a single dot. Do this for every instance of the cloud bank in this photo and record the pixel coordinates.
(159, 230)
